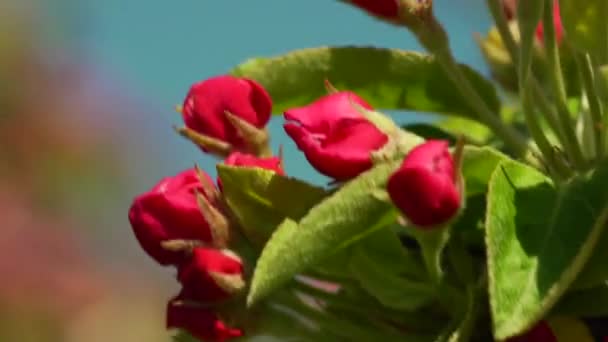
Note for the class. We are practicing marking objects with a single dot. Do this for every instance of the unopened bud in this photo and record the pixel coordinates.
(425, 188)
(211, 275)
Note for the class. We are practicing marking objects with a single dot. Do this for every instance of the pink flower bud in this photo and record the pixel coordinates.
(335, 138)
(424, 188)
(248, 160)
(557, 23)
(541, 332)
(169, 211)
(211, 275)
(207, 101)
(199, 322)
(382, 8)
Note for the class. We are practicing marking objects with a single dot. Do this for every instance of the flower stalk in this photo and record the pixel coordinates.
(585, 66)
(569, 139)
(434, 38)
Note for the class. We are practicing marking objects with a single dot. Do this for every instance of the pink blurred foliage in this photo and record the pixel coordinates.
(45, 265)
(61, 150)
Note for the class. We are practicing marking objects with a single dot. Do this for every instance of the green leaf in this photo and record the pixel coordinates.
(587, 303)
(538, 240)
(428, 131)
(470, 225)
(477, 167)
(392, 290)
(390, 273)
(274, 324)
(339, 220)
(471, 130)
(478, 164)
(183, 336)
(261, 199)
(392, 79)
(585, 26)
(385, 247)
(351, 328)
(334, 266)
(468, 325)
(595, 271)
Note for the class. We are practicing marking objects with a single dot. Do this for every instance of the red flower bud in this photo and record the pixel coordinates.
(381, 8)
(541, 332)
(557, 23)
(335, 138)
(210, 275)
(199, 322)
(205, 106)
(509, 8)
(248, 160)
(169, 211)
(424, 188)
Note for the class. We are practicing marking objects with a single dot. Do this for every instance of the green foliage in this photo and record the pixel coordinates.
(478, 165)
(585, 26)
(387, 78)
(390, 273)
(473, 131)
(183, 336)
(261, 199)
(538, 239)
(595, 271)
(428, 131)
(586, 303)
(339, 220)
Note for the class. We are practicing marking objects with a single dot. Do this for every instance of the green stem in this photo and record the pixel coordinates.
(503, 28)
(465, 330)
(461, 260)
(570, 141)
(330, 277)
(335, 299)
(549, 113)
(541, 102)
(341, 326)
(587, 74)
(432, 244)
(303, 312)
(434, 38)
(511, 137)
(534, 127)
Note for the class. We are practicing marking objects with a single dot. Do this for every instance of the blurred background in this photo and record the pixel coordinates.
(87, 91)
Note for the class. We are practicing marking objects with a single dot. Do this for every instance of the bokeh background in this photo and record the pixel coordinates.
(87, 91)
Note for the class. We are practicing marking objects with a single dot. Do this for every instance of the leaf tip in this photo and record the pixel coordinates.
(252, 298)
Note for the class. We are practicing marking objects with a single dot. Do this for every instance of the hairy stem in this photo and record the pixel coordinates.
(585, 67)
(559, 88)
(568, 141)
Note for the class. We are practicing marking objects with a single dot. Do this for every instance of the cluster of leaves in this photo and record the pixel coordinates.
(527, 247)
(538, 235)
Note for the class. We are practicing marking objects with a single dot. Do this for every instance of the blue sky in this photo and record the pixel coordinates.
(159, 48)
